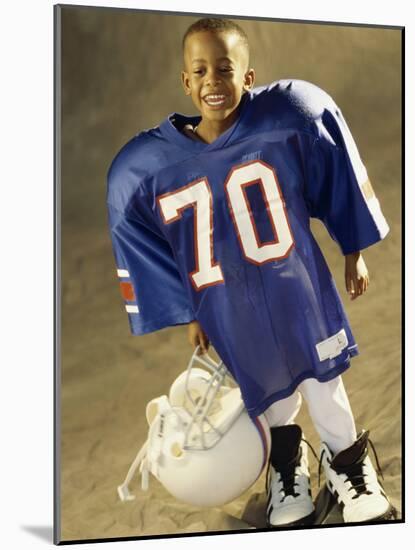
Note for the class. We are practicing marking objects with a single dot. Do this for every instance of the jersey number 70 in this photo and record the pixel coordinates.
(198, 196)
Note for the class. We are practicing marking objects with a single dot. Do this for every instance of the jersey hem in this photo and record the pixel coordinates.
(282, 394)
(182, 318)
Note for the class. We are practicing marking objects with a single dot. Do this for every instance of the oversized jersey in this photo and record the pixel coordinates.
(220, 233)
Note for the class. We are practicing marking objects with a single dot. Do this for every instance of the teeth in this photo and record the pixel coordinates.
(214, 99)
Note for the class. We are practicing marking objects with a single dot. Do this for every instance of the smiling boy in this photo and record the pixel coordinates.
(216, 75)
(209, 219)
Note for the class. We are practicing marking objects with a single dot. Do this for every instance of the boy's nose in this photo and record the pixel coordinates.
(212, 78)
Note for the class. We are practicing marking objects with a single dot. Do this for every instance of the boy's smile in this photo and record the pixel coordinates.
(215, 100)
(216, 75)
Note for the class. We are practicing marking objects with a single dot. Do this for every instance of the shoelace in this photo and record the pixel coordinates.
(288, 484)
(310, 447)
(287, 475)
(355, 471)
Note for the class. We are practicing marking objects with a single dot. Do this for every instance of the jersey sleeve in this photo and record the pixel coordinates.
(150, 284)
(338, 191)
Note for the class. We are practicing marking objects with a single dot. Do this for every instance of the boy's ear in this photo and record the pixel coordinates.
(249, 79)
(185, 83)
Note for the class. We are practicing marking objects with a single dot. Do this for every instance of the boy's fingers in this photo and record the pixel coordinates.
(357, 282)
(355, 288)
(360, 286)
(194, 340)
(197, 338)
(204, 342)
(349, 284)
(364, 282)
(348, 289)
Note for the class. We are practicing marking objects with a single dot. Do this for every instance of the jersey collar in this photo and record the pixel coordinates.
(170, 129)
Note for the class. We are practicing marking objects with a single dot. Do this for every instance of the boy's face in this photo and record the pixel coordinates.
(216, 74)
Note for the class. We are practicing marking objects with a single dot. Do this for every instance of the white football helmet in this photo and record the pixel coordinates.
(201, 445)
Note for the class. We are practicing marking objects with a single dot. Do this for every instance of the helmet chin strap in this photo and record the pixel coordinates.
(123, 490)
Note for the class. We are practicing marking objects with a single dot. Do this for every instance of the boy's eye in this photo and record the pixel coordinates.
(221, 69)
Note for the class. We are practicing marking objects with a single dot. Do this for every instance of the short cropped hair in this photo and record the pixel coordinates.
(216, 25)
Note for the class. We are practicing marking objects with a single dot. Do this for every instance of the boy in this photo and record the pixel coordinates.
(209, 218)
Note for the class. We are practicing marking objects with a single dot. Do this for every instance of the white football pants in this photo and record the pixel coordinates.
(329, 409)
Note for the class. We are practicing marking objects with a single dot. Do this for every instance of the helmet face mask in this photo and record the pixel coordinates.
(209, 399)
(199, 437)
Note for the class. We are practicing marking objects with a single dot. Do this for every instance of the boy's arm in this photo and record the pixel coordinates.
(197, 337)
(356, 274)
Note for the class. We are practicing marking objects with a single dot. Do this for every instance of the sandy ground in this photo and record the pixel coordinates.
(108, 376)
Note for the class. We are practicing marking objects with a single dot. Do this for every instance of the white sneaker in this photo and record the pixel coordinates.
(352, 479)
(288, 480)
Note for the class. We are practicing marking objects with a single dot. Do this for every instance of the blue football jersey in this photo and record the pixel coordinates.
(220, 233)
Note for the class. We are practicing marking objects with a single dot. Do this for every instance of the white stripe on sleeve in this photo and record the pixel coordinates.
(122, 273)
(131, 309)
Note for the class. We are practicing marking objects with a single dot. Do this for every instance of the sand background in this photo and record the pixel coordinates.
(120, 73)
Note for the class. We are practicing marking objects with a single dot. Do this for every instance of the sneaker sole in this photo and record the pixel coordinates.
(328, 510)
(390, 514)
(307, 520)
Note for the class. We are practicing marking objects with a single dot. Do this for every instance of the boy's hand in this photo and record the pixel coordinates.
(197, 337)
(356, 275)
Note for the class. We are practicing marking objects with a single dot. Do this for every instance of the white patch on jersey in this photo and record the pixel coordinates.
(333, 346)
